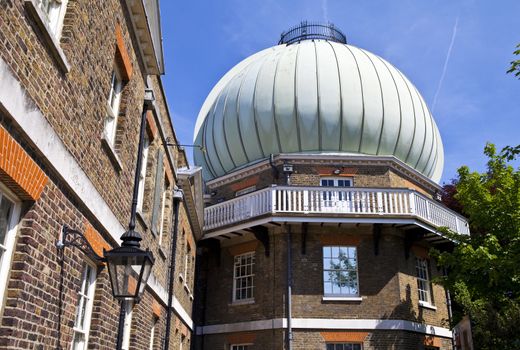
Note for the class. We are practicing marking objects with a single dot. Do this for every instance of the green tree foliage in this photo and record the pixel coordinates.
(515, 65)
(484, 268)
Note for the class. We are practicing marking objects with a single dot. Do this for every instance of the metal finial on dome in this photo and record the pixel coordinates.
(308, 31)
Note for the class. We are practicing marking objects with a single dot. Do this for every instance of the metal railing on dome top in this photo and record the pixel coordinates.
(309, 31)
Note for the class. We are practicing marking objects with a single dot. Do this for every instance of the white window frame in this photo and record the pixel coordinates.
(54, 12)
(187, 263)
(245, 191)
(423, 281)
(142, 173)
(335, 181)
(163, 209)
(346, 345)
(155, 320)
(335, 198)
(243, 346)
(328, 258)
(113, 104)
(9, 239)
(238, 277)
(127, 326)
(84, 304)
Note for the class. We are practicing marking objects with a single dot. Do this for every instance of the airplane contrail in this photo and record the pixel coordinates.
(448, 55)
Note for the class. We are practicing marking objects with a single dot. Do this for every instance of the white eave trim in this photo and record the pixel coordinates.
(320, 219)
(145, 42)
(327, 323)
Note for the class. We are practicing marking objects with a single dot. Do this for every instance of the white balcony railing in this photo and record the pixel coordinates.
(330, 200)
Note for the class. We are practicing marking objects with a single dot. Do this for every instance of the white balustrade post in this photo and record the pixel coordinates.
(379, 199)
(273, 200)
(411, 201)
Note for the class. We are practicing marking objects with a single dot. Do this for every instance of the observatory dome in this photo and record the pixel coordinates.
(315, 96)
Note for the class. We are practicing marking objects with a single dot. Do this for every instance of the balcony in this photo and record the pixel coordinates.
(331, 204)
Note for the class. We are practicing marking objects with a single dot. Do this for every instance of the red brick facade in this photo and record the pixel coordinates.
(58, 165)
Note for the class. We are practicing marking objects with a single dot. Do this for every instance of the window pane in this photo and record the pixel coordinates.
(340, 271)
(79, 341)
(6, 208)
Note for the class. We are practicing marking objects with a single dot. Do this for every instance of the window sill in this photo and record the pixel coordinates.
(187, 289)
(427, 305)
(49, 39)
(339, 298)
(242, 302)
(111, 153)
(141, 218)
(162, 252)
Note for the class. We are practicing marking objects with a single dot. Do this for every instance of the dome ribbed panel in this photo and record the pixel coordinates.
(307, 97)
(428, 138)
(264, 108)
(231, 124)
(439, 162)
(419, 128)
(391, 108)
(329, 99)
(372, 103)
(284, 100)
(219, 132)
(406, 132)
(247, 113)
(211, 144)
(315, 96)
(352, 110)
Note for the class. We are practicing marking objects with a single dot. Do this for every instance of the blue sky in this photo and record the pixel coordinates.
(455, 52)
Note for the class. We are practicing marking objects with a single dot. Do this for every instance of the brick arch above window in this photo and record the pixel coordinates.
(18, 171)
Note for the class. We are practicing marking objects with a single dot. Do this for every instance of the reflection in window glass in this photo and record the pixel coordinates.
(340, 275)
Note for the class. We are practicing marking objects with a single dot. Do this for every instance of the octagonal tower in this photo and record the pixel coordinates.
(321, 163)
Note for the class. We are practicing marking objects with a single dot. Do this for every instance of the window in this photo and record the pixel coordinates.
(243, 277)
(182, 342)
(9, 214)
(423, 280)
(344, 346)
(336, 182)
(114, 100)
(152, 332)
(187, 259)
(245, 191)
(163, 223)
(333, 198)
(142, 174)
(84, 308)
(240, 346)
(127, 324)
(340, 276)
(54, 11)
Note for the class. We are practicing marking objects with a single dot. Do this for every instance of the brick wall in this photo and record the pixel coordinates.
(310, 175)
(387, 284)
(95, 37)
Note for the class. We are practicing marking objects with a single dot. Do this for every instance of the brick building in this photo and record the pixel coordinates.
(321, 163)
(73, 75)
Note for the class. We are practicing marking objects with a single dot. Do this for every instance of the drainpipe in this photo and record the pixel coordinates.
(276, 173)
(450, 315)
(289, 337)
(177, 199)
